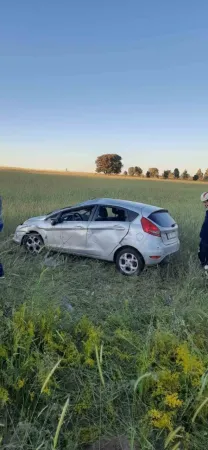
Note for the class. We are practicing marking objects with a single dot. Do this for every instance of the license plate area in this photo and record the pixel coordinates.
(171, 235)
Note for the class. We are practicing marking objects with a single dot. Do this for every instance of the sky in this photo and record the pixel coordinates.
(81, 78)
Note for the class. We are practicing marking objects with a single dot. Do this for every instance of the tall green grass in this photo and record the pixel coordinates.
(108, 390)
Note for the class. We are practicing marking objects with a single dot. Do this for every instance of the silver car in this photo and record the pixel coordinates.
(133, 235)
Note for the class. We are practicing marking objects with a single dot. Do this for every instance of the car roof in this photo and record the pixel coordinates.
(140, 208)
(127, 204)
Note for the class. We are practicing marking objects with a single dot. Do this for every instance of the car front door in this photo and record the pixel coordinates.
(107, 229)
(51, 233)
(73, 230)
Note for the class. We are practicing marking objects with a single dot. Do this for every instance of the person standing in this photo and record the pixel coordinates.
(203, 246)
(1, 228)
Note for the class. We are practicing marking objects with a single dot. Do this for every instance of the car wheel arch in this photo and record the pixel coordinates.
(128, 246)
(31, 232)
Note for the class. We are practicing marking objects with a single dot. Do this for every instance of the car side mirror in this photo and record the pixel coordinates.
(54, 222)
(58, 219)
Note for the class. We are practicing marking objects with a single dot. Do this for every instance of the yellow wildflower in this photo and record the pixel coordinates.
(32, 396)
(85, 401)
(89, 334)
(160, 419)
(89, 434)
(173, 401)
(30, 328)
(72, 354)
(20, 383)
(3, 352)
(47, 391)
(4, 395)
(191, 364)
(168, 382)
(90, 362)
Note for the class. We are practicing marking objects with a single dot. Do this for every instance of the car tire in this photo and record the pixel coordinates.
(129, 262)
(33, 243)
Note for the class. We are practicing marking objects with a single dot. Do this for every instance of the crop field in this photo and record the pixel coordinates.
(86, 353)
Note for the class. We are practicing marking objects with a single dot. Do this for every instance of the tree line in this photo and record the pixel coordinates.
(112, 164)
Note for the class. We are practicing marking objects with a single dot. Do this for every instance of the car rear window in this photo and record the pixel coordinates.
(162, 218)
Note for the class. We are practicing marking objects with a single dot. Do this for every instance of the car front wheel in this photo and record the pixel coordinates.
(129, 262)
(33, 243)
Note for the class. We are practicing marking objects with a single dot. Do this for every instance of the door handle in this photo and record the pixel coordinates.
(79, 227)
(117, 227)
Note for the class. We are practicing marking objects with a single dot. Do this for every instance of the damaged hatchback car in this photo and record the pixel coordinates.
(130, 234)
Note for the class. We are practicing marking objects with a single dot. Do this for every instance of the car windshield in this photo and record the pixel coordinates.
(53, 214)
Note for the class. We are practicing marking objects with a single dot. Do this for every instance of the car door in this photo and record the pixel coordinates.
(51, 233)
(107, 229)
(73, 230)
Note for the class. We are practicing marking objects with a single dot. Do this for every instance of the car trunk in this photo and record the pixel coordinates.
(166, 224)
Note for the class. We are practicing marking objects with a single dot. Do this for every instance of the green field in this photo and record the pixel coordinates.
(104, 330)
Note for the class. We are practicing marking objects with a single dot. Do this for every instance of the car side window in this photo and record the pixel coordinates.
(132, 215)
(81, 214)
(110, 214)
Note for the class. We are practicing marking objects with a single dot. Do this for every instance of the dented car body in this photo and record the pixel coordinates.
(129, 233)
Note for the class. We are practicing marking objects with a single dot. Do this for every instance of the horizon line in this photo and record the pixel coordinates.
(101, 175)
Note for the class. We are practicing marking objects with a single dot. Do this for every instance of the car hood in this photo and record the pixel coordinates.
(34, 220)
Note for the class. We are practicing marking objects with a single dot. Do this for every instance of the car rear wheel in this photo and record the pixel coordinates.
(33, 243)
(129, 262)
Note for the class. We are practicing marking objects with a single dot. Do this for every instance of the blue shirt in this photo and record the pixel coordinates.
(204, 230)
(1, 218)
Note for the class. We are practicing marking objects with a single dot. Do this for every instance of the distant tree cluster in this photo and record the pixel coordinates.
(200, 176)
(206, 175)
(135, 171)
(111, 163)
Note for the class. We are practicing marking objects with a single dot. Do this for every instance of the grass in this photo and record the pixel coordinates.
(106, 340)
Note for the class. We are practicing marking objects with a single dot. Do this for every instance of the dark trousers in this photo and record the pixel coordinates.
(1, 271)
(203, 254)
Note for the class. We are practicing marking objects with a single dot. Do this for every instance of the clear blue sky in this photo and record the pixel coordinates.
(80, 78)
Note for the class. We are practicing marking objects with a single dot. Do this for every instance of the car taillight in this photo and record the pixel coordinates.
(150, 227)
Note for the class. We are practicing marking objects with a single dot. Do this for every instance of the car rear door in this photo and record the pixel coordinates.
(105, 233)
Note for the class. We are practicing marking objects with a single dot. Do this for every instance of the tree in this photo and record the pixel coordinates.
(148, 174)
(200, 174)
(138, 171)
(131, 171)
(125, 173)
(176, 174)
(206, 175)
(108, 164)
(135, 171)
(154, 172)
(166, 174)
(195, 177)
(185, 175)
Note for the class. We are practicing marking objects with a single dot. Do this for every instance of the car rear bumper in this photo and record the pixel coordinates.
(161, 252)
